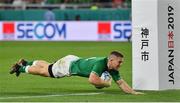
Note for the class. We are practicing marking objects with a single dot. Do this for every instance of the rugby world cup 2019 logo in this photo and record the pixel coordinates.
(104, 30)
(8, 30)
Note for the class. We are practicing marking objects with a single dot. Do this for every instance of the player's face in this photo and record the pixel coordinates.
(116, 63)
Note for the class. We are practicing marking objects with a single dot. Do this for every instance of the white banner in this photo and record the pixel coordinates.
(155, 44)
(66, 31)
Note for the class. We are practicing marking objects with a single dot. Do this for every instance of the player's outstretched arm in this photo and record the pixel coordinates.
(95, 80)
(126, 88)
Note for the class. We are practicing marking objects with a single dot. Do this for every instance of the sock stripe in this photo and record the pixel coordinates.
(26, 69)
(34, 62)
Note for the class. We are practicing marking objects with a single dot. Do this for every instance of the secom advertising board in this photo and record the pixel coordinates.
(66, 31)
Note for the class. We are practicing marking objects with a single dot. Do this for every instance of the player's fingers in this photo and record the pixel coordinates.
(139, 93)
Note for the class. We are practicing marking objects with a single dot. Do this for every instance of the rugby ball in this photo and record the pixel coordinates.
(105, 76)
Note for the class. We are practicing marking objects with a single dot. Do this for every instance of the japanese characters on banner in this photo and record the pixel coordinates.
(156, 44)
(66, 31)
(144, 44)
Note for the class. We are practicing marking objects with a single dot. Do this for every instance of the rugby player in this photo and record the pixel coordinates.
(72, 65)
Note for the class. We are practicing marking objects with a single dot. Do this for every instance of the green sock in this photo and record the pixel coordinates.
(22, 69)
(29, 63)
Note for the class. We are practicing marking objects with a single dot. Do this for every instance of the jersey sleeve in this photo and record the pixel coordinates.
(115, 75)
(97, 69)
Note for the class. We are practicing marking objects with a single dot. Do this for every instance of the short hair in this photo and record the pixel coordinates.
(117, 54)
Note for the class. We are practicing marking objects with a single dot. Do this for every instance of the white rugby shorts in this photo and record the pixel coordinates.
(62, 66)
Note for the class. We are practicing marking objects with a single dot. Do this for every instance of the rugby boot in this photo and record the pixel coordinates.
(15, 69)
(22, 62)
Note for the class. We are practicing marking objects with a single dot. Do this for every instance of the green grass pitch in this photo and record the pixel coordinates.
(30, 88)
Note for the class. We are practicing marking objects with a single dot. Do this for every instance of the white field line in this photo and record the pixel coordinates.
(55, 95)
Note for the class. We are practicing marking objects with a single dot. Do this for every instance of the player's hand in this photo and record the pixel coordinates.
(137, 93)
(109, 82)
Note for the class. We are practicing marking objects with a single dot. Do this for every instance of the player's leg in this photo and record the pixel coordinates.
(38, 67)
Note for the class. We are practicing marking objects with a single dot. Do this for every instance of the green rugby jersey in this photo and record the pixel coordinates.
(83, 67)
